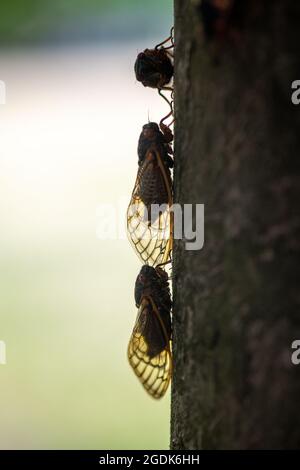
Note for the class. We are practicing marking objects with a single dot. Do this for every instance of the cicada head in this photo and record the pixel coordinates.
(153, 68)
(150, 131)
(150, 136)
(153, 282)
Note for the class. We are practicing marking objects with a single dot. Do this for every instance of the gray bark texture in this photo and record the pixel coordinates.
(237, 301)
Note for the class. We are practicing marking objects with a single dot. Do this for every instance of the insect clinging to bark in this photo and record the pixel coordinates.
(149, 215)
(149, 349)
(154, 67)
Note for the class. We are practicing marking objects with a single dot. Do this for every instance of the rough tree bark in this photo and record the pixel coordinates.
(236, 302)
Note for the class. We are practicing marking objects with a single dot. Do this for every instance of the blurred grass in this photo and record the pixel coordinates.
(33, 21)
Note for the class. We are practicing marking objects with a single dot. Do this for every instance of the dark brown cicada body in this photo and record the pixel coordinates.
(154, 67)
(149, 216)
(149, 351)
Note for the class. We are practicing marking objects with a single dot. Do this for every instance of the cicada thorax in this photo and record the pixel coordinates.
(154, 68)
(155, 163)
(152, 282)
(149, 349)
(153, 190)
(152, 137)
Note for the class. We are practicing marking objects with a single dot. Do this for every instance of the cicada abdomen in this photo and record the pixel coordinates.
(149, 215)
(149, 349)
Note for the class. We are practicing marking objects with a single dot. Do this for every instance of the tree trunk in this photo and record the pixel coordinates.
(236, 301)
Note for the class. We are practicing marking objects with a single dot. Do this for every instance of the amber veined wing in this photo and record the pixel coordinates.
(149, 351)
(151, 236)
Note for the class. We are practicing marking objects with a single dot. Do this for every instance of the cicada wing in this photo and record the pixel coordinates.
(152, 241)
(149, 351)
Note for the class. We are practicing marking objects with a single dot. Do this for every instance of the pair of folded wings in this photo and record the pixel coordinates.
(153, 371)
(153, 241)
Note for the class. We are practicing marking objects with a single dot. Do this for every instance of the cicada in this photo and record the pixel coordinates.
(154, 67)
(149, 349)
(149, 214)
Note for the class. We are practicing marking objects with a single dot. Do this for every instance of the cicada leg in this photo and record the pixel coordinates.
(172, 36)
(165, 128)
(164, 42)
(164, 273)
(169, 39)
(164, 264)
(170, 103)
(168, 134)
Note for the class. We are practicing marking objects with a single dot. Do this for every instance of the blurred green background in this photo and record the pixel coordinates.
(37, 21)
(68, 137)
